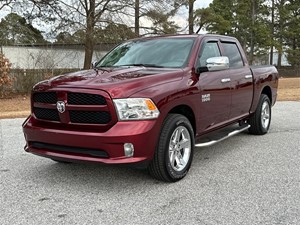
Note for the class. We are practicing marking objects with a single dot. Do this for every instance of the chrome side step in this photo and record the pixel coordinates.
(235, 132)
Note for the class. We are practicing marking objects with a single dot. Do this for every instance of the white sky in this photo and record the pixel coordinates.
(202, 3)
(181, 17)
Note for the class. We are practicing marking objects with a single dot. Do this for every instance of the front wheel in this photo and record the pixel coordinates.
(261, 119)
(174, 152)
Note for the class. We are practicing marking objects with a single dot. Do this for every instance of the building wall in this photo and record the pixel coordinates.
(284, 61)
(32, 57)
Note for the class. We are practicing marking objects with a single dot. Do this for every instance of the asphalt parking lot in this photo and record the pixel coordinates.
(244, 180)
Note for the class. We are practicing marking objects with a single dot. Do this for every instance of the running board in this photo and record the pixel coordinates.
(235, 132)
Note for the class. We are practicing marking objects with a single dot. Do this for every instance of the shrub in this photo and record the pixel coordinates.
(5, 80)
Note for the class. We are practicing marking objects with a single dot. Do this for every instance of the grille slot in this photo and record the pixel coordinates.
(46, 114)
(69, 149)
(92, 117)
(45, 97)
(85, 99)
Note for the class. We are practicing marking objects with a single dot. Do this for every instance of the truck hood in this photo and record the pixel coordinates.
(118, 82)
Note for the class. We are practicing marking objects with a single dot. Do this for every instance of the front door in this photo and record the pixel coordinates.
(215, 93)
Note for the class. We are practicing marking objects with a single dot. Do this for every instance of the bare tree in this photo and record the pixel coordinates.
(5, 3)
(159, 12)
(87, 15)
(191, 16)
(272, 31)
(137, 18)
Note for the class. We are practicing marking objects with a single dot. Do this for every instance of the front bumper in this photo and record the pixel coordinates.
(142, 134)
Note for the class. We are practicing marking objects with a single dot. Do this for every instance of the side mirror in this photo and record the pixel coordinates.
(93, 64)
(215, 64)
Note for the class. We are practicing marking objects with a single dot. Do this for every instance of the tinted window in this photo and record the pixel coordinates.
(210, 49)
(232, 52)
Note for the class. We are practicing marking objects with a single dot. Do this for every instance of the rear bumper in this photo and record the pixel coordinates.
(142, 134)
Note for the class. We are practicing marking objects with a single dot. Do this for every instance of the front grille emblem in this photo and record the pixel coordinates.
(61, 106)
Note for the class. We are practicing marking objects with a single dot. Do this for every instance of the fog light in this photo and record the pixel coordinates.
(128, 149)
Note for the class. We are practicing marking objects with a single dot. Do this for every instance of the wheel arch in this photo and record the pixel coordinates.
(267, 91)
(186, 111)
(258, 92)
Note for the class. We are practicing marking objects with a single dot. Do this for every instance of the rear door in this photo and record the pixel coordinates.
(214, 86)
(241, 81)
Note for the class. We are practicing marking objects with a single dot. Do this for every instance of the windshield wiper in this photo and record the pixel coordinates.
(142, 64)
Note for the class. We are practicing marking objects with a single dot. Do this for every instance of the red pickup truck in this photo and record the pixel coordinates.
(150, 102)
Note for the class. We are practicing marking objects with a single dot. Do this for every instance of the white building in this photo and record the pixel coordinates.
(50, 57)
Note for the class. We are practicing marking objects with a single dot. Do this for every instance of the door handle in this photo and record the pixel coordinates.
(248, 77)
(225, 80)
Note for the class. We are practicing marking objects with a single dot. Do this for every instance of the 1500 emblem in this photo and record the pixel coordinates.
(206, 98)
(61, 106)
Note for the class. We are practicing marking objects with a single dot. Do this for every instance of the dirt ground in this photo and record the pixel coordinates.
(19, 106)
(289, 89)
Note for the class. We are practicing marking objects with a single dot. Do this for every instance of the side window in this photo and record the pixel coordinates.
(210, 49)
(232, 52)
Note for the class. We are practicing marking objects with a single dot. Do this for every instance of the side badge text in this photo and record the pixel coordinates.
(206, 98)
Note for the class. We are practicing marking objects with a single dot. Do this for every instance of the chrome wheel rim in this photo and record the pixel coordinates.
(265, 115)
(180, 148)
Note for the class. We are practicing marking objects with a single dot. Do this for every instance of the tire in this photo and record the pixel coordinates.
(174, 152)
(261, 119)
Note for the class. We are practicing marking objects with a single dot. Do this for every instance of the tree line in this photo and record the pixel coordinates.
(262, 26)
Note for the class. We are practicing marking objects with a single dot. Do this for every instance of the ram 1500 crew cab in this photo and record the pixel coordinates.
(150, 102)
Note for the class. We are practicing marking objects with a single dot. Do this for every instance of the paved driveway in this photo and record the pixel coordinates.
(243, 180)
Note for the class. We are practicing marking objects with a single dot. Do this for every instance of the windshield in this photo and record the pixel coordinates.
(163, 52)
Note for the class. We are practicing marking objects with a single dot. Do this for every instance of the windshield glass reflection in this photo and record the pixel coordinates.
(164, 52)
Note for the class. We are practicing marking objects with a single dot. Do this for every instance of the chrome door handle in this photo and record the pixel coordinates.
(248, 77)
(225, 80)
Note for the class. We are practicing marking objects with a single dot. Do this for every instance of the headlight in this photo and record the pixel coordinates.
(136, 109)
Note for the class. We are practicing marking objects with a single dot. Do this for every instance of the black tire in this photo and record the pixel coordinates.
(261, 119)
(176, 132)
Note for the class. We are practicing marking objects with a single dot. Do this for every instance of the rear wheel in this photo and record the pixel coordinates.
(174, 152)
(261, 119)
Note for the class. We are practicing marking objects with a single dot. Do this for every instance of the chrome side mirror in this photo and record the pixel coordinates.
(217, 63)
(214, 64)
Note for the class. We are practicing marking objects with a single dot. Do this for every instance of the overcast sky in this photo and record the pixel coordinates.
(202, 3)
(181, 17)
